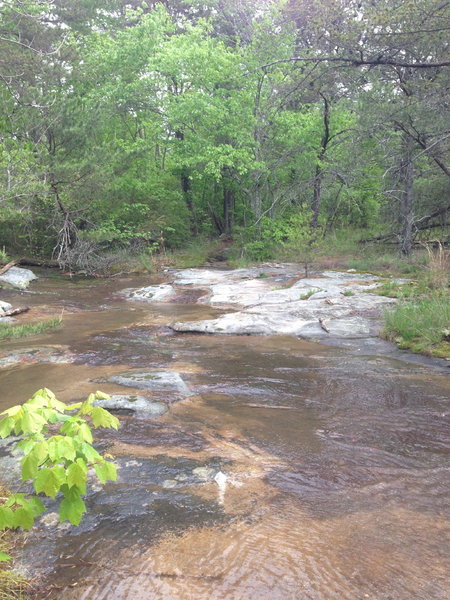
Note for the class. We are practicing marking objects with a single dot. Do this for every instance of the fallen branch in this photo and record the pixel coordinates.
(323, 325)
(8, 266)
(27, 261)
(254, 405)
(15, 311)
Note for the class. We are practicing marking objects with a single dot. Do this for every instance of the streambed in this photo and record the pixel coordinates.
(335, 457)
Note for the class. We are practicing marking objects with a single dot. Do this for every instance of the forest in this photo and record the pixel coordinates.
(143, 126)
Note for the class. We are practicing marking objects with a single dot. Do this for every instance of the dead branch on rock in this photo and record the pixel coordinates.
(323, 325)
(14, 311)
(8, 266)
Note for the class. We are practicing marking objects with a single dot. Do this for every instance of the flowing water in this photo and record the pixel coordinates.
(336, 461)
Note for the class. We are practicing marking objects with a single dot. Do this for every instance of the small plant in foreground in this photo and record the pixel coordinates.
(348, 293)
(58, 453)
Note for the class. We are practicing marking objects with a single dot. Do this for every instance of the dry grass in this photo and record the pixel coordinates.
(438, 265)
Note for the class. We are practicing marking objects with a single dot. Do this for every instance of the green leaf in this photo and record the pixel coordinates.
(24, 517)
(86, 407)
(5, 557)
(103, 418)
(76, 476)
(6, 518)
(6, 426)
(33, 422)
(14, 411)
(72, 510)
(105, 471)
(85, 433)
(70, 427)
(102, 396)
(49, 481)
(90, 453)
(40, 451)
(27, 444)
(35, 505)
(29, 466)
(57, 405)
(66, 449)
(38, 399)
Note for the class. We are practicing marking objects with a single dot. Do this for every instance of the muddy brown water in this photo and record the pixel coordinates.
(337, 460)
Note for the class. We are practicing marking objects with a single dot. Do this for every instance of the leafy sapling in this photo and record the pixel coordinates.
(57, 455)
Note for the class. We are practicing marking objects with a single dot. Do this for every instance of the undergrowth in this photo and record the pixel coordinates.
(421, 321)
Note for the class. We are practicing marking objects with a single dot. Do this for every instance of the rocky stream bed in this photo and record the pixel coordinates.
(254, 462)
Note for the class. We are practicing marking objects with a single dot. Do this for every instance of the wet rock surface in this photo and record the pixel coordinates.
(153, 381)
(140, 406)
(277, 300)
(42, 354)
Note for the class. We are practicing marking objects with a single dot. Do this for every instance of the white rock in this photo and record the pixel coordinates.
(17, 278)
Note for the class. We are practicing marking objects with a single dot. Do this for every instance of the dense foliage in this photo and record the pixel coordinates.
(141, 124)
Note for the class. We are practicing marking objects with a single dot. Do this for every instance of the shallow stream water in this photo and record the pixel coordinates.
(336, 460)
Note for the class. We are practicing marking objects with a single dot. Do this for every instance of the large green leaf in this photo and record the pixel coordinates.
(6, 426)
(76, 476)
(105, 471)
(72, 510)
(6, 518)
(29, 466)
(49, 480)
(103, 418)
(24, 517)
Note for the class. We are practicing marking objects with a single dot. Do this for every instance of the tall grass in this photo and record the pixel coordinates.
(9, 331)
(421, 324)
(438, 276)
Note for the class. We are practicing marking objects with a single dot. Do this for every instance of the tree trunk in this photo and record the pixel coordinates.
(317, 193)
(407, 206)
(185, 183)
(228, 209)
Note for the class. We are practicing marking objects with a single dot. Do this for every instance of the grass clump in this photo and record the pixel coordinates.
(308, 294)
(421, 325)
(12, 585)
(9, 331)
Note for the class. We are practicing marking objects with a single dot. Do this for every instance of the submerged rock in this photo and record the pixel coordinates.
(17, 278)
(45, 354)
(140, 405)
(153, 293)
(153, 380)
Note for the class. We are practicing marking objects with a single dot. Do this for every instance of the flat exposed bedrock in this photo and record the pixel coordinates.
(278, 300)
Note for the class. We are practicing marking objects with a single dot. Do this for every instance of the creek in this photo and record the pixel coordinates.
(335, 458)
